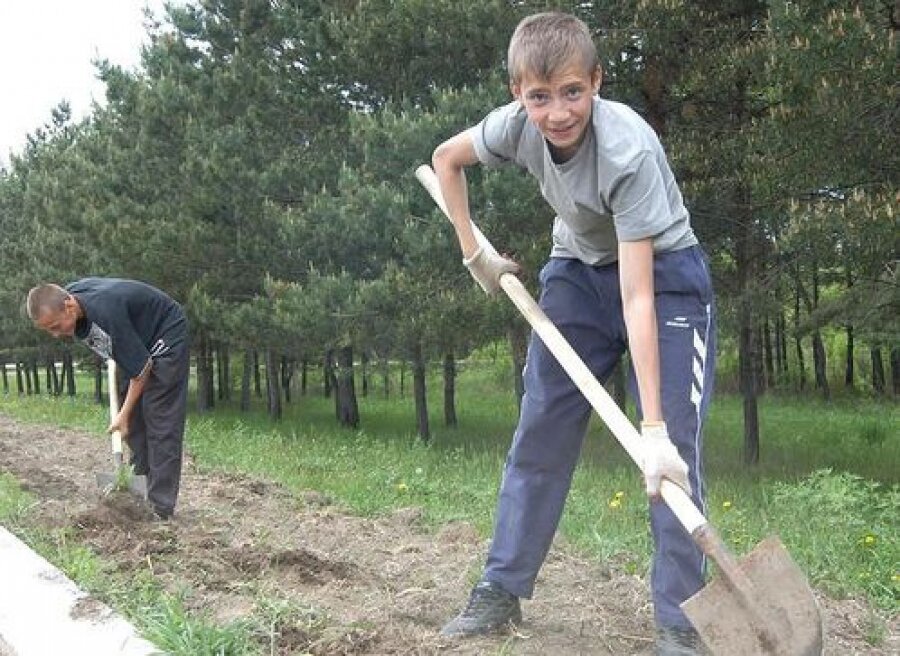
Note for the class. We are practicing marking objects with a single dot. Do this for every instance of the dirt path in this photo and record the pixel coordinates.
(372, 586)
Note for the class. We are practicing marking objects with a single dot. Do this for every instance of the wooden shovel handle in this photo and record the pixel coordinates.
(623, 430)
(113, 385)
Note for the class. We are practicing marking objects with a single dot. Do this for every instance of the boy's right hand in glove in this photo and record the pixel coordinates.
(661, 459)
(486, 266)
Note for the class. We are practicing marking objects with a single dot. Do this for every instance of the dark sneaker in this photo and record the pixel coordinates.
(490, 608)
(677, 641)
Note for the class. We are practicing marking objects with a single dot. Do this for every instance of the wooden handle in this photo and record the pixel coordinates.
(429, 180)
(623, 430)
(113, 406)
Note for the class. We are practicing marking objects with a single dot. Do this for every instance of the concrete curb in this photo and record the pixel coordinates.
(43, 612)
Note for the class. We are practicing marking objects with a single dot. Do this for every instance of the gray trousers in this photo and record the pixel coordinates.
(584, 302)
(156, 431)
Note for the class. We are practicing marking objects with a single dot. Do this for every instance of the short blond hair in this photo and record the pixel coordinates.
(46, 297)
(544, 44)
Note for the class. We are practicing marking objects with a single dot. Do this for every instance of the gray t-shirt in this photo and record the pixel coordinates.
(618, 186)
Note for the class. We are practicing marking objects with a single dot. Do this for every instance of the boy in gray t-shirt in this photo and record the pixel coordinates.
(625, 272)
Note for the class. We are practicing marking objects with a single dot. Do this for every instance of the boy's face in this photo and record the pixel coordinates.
(560, 107)
(59, 323)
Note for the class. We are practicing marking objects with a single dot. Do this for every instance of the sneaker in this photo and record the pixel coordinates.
(677, 641)
(490, 608)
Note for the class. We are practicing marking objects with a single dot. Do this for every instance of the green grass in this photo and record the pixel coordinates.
(826, 482)
(158, 615)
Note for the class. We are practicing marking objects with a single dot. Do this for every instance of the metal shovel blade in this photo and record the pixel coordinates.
(764, 608)
(137, 485)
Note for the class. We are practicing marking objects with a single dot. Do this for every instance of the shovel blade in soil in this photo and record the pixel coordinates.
(781, 618)
(137, 485)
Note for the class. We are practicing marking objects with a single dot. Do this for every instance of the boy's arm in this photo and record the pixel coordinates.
(449, 161)
(661, 458)
(639, 309)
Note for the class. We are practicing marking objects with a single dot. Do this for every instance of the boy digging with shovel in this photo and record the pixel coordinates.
(625, 272)
(146, 333)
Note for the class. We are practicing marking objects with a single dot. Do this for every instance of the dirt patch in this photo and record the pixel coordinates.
(365, 586)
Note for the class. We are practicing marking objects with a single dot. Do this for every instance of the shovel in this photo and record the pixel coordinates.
(121, 475)
(762, 604)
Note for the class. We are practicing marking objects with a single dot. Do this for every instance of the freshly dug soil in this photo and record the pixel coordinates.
(370, 586)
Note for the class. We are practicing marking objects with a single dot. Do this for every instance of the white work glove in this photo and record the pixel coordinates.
(486, 266)
(661, 459)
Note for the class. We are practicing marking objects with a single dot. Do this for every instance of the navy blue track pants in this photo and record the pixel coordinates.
(585, 303)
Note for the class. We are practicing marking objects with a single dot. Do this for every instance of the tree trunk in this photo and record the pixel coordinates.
(20, 386)
(54, 384)
(204, 377)
(419, 393)
(328, 372)
(849, 376)
(768, 356)
(748, 261)
(98, 381)
(450, 390)
(304, 376)
(895, 371)
(257, 377)
(5, 377)
(386, 376)
(518, 347)
(747, 366)
(220, 371)
(877, 370)
(655, 91)
(69, 372)
(820, 365)
(402, 378)
(26, 372)
(365, 373)
(347, 406)
(209, 355)
(223, 369)
(782, 346)
(287, 374)
(36, 375)
(777, 336)
(273, 391)
(246, 375)
(801, 364)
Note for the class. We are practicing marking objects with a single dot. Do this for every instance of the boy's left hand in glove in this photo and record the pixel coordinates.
(661, 459)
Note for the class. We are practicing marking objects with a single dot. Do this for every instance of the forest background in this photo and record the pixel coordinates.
(258, 167)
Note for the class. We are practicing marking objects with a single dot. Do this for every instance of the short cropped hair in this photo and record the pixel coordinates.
(544, 44)
(45, 297)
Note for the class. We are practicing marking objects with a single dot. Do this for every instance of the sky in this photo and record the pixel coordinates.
(46, 50)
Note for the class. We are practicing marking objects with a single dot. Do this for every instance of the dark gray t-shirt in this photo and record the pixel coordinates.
(127, 320)
(617, 187)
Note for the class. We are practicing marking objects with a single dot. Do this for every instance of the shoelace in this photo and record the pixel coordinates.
(481, 599)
